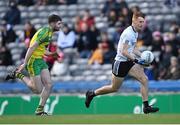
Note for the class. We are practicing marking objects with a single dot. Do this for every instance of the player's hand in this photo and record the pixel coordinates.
(55, 54)
(141, 62)
(21, 67)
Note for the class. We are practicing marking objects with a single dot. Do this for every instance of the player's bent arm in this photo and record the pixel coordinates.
(137, 52)
(30, 51)
(125, 52)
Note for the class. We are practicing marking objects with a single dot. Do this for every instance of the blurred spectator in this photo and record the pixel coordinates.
(29, 31)
(13, 15)
(23, 54)
(97, 55)
(108, 48)
(157, 42)
(171, 38)
(146, 35)
(41, 2)
(124, 18)
(56, 2)
(61, 2)
(25, 2)
(174, 27)
(112, 18)
(102, 55)
(69, 2)
(87, 18)
(178, 34)
(66, 38)
(116, 34)
(94, 37)
(77, 24)
(122, 4)
(6, 57)
(85, 41)
(105, 39)
(110, 5)
(157, 47)
(8, 34)
(165, 56)
(178, 54)
(155, 70)
(173, 71)
(164, 61)
(108, 54)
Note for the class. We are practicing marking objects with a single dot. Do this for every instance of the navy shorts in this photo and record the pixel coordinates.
(121, 69)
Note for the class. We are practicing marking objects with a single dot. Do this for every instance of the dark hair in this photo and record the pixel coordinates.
(54, 18)
(28, 22)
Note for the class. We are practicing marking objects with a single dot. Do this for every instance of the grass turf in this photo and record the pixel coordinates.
(92, 119)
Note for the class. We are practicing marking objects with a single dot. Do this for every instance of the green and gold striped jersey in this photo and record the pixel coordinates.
(43, 36)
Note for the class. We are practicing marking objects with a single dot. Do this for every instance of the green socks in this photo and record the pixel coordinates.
(19, 75)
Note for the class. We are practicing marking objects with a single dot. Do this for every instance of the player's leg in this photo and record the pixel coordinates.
(113, 87)
(30, 82)
(46, 80)
(118, 74)
(137, 72)
(119, 70)
(36, 83)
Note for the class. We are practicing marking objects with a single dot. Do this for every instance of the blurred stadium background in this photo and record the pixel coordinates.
(88, 41)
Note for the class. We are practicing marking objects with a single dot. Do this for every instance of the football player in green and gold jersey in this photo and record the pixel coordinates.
(39, 81)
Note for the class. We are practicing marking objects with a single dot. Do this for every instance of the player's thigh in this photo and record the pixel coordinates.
(36, 81)
(116, 81)
(137, 71)
(45, 76)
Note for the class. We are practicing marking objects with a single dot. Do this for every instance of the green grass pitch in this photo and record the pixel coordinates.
(92, 119)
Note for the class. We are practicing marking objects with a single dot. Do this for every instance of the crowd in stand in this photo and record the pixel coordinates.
(95, 44)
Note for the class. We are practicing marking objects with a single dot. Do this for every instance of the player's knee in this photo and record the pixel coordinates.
(34, 89)
(48, 86)
(114, 89)
(37, 91)
(144, 79)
